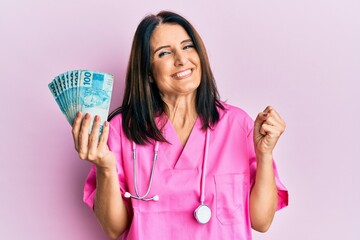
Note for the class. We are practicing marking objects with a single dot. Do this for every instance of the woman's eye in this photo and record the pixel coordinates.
(188, 46)
(163, 54)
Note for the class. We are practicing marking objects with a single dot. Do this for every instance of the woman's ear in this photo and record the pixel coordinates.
(151, 80)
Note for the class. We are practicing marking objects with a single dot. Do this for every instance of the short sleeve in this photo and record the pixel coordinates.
(114, 143)
(282, 191)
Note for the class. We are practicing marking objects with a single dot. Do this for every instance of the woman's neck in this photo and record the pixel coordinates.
(181, 112)
(180, 109)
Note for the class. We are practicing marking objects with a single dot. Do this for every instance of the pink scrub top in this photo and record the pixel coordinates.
(230, 174)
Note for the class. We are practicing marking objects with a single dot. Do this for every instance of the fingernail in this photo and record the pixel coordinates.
(78, 114)
(97, 118)
(87, 116)
(106, 123)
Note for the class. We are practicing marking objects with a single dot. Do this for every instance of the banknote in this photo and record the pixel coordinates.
(60, 89)
(95, 90)
(83, 91)
(56, 96)
(69, 94)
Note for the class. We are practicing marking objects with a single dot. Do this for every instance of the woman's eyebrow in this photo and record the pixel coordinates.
(159, 48)
(186, 40)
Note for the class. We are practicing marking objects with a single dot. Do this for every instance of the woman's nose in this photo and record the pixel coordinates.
(180, 58)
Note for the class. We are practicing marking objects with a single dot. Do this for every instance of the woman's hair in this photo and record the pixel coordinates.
(142, 101)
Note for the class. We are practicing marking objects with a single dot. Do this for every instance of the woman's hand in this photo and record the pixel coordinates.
(89, 146)
(267, 130)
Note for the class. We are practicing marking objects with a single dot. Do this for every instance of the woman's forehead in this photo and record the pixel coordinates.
(167, 34)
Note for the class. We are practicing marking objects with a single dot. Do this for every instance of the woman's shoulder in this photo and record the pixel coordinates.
(236, 116)
(116, 122)
(231, 111)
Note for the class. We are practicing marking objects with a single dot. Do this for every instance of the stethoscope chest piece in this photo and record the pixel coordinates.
(202, 214)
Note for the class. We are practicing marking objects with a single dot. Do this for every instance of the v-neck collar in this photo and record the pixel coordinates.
(179, 156)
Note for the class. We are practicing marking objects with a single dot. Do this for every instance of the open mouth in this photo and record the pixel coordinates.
(183, 74)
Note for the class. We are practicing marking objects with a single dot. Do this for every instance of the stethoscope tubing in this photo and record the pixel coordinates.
(138, 197)
(202, 189)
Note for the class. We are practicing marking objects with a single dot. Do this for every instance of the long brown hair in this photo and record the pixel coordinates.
(142, 101)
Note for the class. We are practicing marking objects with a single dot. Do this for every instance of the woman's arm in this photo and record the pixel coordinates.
(264, 197)
(109, 206)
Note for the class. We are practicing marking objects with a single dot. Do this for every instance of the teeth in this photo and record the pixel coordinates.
(183, 74)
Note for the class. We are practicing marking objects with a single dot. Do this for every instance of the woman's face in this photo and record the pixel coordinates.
(175, 63)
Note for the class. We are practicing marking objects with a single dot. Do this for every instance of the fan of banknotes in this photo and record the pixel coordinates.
(83, 91)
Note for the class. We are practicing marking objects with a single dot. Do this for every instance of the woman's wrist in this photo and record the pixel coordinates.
(264, 157)
(106, 170)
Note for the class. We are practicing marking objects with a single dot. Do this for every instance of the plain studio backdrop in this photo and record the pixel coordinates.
(302, 57)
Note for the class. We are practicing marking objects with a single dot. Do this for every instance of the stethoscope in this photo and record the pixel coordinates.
(203, 212)
(144, 197)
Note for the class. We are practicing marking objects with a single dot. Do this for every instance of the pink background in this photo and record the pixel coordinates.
(303, 57)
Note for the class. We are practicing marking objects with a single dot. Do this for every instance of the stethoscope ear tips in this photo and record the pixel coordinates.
(127, 195)
(156, 198)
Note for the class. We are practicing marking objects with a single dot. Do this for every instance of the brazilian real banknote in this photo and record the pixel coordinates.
(83, 91)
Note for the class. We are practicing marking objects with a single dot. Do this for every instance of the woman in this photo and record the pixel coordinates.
(175, 161)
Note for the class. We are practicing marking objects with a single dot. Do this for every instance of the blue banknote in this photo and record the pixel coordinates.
(83, 91)
(55, 93)
(95, 89)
